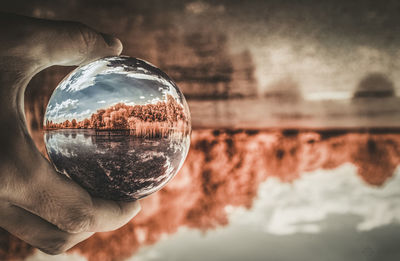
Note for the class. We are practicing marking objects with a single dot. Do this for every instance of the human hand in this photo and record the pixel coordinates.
(37, 204)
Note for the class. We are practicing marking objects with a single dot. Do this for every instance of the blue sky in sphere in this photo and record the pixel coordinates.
(98, 86)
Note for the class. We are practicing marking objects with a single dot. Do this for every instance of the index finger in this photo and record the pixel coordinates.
(30, 182)
(62, 202)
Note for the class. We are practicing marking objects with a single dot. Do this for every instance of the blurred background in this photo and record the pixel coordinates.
(295, 113)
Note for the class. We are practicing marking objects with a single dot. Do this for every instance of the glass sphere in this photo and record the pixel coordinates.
(119, 127)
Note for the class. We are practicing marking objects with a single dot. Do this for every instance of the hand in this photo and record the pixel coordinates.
(38, 205)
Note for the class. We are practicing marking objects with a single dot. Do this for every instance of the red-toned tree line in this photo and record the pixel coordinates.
(226, 168)
(122, 116)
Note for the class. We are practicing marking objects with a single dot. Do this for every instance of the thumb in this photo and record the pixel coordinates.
(29, 45)
(72, 43)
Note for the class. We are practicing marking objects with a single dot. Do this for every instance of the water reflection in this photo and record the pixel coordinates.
(117, 164)
(300, 189)
(258, 172)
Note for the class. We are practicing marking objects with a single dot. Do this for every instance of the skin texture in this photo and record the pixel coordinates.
(38, 205)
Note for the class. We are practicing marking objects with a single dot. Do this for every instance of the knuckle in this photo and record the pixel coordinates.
(78, 219)
(84, 36)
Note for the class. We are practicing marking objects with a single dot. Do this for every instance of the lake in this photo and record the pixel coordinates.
(114, 164)
(322, 194)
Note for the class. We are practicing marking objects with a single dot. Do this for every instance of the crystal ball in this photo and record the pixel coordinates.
(119, 127)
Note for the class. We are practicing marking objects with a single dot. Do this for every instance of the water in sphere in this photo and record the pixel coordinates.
(119, 127)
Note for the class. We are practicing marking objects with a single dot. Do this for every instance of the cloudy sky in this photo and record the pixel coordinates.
(325, 215)
(102, 84)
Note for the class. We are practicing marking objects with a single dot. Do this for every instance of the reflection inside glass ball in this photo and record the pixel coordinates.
(119, 127)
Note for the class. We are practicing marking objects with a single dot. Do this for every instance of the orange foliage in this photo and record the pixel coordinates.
(225, 168)
(122, 117)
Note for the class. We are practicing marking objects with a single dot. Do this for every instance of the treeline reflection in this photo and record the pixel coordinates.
(225, 168)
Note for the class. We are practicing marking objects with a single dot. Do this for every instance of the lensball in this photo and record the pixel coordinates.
(119, 127)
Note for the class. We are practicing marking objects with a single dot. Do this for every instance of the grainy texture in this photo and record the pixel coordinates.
(226, 167)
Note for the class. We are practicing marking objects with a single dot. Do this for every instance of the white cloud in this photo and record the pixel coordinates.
(130, 103)
(62, 145)
(301, 207)
(89, 71)
(155, 100)
(70, 108)
(63, 116)
(54, 111)
(78, 116)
